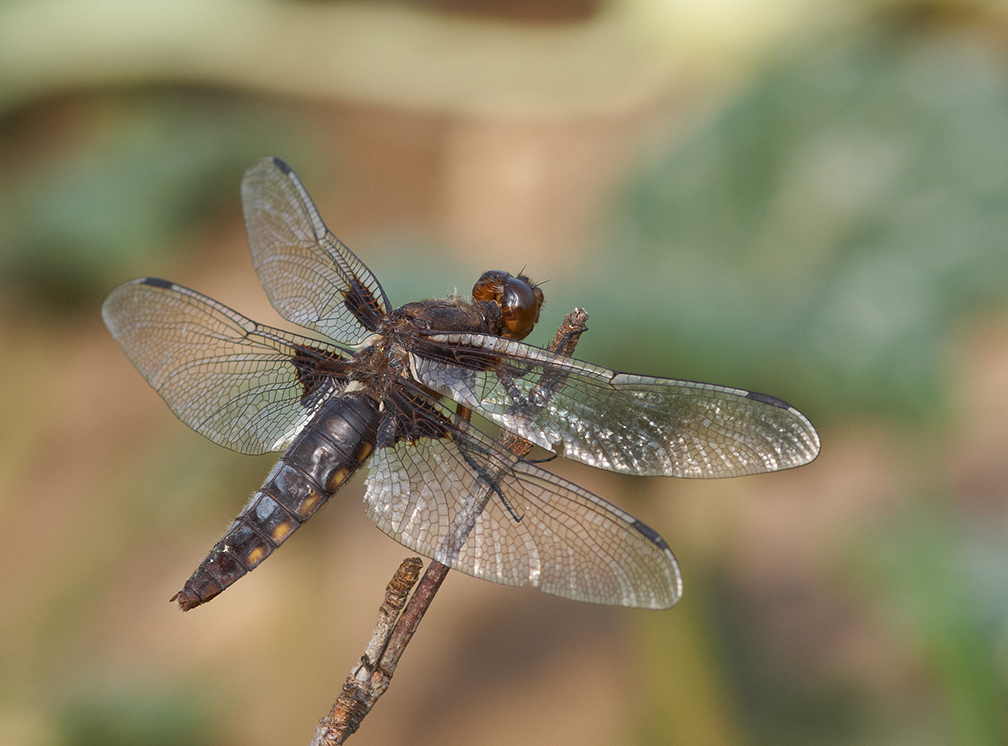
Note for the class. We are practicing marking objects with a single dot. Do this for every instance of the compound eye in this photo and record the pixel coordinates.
(520, 306)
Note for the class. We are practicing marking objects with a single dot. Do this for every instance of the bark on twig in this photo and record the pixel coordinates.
(369, 679)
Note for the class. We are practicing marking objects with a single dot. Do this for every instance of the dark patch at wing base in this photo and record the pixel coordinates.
(410, 416)
(316, 370)
(363, 304)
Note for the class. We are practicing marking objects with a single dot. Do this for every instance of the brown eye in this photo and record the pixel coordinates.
(518, 298)
(520, 304)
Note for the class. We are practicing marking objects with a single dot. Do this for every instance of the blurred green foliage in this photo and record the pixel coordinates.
(941, 577)
(780, 701)
(827, 230)
(146, 713)
(140, 175)
(820, 240)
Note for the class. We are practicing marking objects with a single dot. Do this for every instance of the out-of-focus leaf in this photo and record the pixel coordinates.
(143, 175)
(941, 580)
(821, 236)
(144, 714)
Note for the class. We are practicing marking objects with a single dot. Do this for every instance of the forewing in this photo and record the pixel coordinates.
(525, 525)
(617, 421)
(311, 278)
(244, 386)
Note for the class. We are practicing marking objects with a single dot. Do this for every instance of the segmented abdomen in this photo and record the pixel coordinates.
(329, 449)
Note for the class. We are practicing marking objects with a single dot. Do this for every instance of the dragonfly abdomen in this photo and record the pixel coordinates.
(327, 451)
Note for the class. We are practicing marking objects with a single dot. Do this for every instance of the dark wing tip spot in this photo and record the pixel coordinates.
(282, 165)
(650, 534)
(663, 601)
(767, 399)
(157, 282)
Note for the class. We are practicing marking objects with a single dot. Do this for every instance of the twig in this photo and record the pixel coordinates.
(371, 676)
(363, 688)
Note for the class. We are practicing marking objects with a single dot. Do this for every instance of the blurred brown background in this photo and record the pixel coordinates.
(782, 195)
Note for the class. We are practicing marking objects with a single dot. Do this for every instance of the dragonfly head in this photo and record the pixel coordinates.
(519, 300)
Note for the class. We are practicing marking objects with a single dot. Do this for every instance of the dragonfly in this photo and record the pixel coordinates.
(391, 390)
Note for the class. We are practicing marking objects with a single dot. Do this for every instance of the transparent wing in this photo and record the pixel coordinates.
(463, 500)
(244, 386)
(617, 421)
(311, 278)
